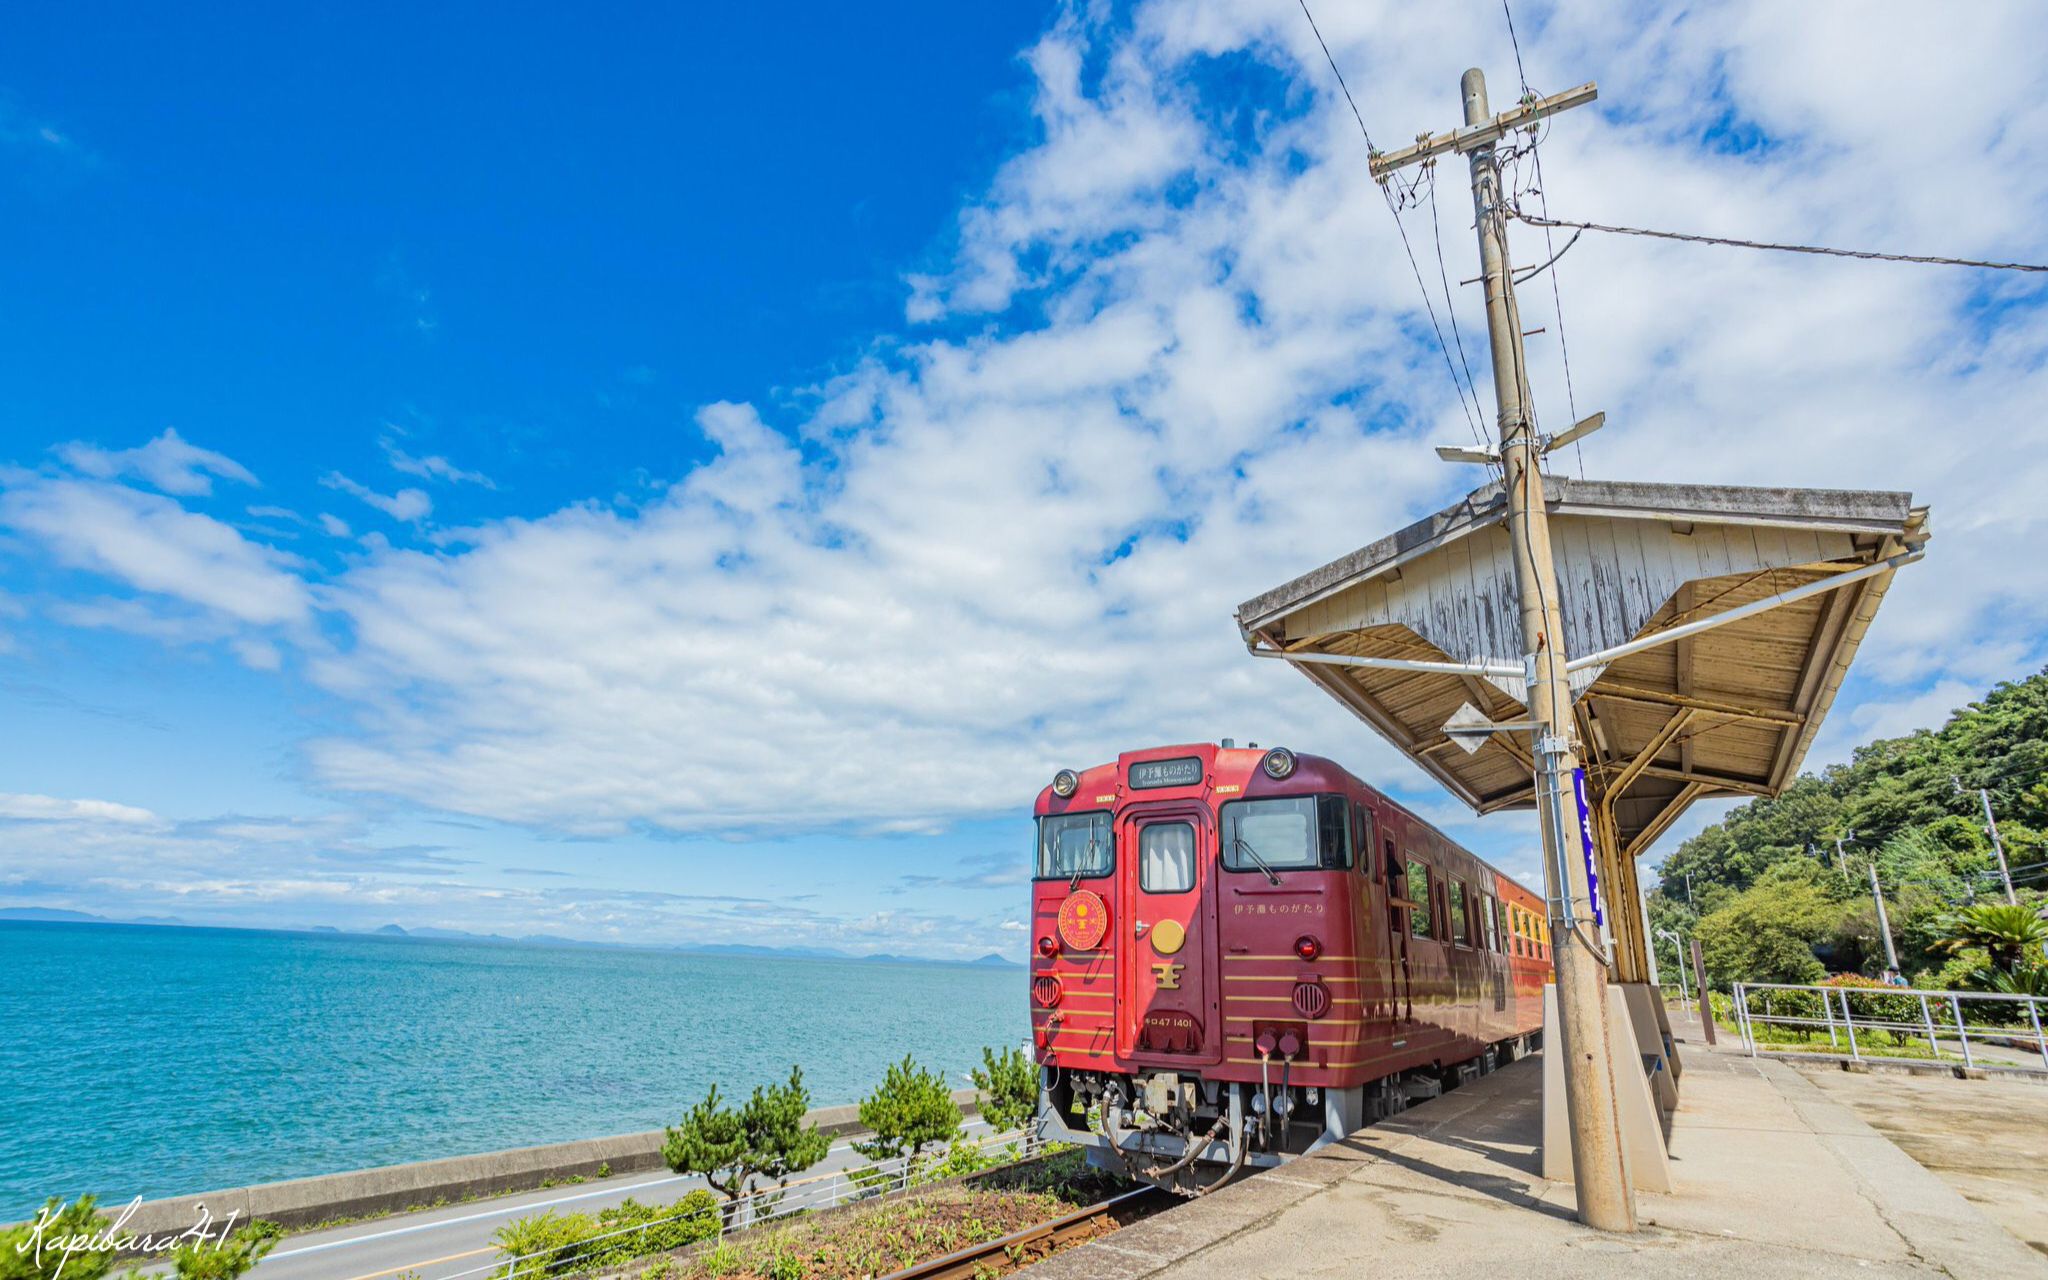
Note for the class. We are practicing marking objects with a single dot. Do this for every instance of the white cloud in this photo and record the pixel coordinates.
(168, 462)
(408, 505)
(150, 542)
(1173, 356)
(333, 526)
(33, 808)
(433, 467)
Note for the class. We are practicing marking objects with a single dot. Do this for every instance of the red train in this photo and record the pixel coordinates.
(1240, 955)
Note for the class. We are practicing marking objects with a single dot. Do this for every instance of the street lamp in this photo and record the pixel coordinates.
(1678, 945)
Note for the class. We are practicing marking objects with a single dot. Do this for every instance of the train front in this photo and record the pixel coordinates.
(1192, 921)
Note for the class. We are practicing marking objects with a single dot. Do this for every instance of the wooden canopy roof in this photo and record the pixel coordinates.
(1725, 710)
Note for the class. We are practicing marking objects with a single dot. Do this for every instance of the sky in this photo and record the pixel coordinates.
(693, 475)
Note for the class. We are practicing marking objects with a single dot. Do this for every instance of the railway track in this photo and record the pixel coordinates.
(1022, 1248)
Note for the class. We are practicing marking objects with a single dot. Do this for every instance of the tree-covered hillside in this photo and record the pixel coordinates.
(1769, 901)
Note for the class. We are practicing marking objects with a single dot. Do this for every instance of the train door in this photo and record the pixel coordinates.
(1401, 993)
(1167, 1007)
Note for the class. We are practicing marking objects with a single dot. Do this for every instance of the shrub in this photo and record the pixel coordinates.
(1009, 1085)
(910, 1110)
(226, 1260)
(21, 1258)
(573, 1242)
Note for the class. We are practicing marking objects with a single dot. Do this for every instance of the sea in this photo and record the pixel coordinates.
(156, 1061)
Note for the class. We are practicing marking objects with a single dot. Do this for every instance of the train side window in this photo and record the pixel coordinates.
(1333, 832)
(1361, 840)
(1486, 902)
(1395, 871)
(1419, 892)
(1461, 919)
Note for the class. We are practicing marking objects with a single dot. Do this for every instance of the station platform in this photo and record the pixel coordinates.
(1774, 1172)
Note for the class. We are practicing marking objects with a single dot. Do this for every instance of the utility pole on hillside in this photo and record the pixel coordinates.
(1997, 845)
(1606, 1198)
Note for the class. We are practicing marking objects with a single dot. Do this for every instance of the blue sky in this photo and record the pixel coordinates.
(688, 475)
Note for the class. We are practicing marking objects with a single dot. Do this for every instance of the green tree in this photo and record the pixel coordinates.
(1009, 1085)
(2011, 935)
(1768, 932)
(764, 1138)
(910, 1110)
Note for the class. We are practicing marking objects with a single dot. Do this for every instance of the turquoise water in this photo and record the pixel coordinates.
(159, 1061)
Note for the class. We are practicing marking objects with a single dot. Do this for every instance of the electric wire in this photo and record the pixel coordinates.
(1464, 406)
(1868, 255)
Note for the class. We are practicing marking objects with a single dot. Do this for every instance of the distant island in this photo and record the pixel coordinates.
(59, 915)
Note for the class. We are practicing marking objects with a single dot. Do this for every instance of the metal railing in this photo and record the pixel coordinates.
(1906, 1014)
(763, 1205)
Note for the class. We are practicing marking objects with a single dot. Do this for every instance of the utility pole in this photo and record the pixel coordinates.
(1884, 921)
(1688, 889)
(1606, 1199)
(1997, 845)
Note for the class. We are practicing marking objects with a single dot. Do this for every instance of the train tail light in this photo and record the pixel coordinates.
(1047, 947)
(1307, 947)
(1046, 991)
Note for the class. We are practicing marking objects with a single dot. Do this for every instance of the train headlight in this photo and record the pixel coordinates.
(1065, 783)
(1307, 947)
(1279, 763)
(1047, 947)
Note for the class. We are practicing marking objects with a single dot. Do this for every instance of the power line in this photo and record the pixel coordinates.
(1537, 220)
(1340, 77)
(1471, 422)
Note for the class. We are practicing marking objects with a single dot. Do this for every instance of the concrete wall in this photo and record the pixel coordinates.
(303, 1201)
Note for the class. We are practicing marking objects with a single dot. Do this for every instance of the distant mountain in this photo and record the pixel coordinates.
(744, 949)
(59, 915)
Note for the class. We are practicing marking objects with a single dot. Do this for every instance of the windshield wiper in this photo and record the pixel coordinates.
(1257, 861)
(1087, 864)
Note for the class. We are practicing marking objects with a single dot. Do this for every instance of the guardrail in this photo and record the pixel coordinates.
(1905, 1014)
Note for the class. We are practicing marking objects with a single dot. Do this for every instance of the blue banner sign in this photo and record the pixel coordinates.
(1586, 847)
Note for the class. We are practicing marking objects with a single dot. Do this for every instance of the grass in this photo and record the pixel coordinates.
(884, 1236)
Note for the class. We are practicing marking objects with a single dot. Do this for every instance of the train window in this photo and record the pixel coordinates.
(1299, 833)
(1487, 902)
(1419, 923)
(1361, 839)
(1394, 869)
(1075, 844)
(1166, 857)
(1461, 919)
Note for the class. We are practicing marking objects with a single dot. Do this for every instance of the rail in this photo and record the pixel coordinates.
(757, 1208)
(1905, 1014)
(971, 1263)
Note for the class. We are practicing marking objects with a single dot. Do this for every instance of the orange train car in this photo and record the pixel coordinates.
(1241, 955)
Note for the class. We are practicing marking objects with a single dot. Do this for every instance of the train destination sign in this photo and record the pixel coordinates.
(1185, 771)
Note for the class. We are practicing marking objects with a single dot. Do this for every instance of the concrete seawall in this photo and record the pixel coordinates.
(301, 1202)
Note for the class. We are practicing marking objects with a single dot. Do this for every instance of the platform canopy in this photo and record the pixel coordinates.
(1670, 708)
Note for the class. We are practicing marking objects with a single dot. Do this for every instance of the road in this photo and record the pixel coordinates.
(439, 1244)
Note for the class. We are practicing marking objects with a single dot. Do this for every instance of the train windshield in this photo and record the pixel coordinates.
(1297, 833)
(1074, 844)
